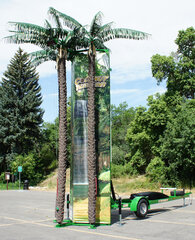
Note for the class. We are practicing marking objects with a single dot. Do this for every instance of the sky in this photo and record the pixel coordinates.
(131, 76)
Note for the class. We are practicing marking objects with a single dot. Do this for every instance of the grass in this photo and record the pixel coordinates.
(126, 186)
(11, 186)
(51, 182)
(123, 186)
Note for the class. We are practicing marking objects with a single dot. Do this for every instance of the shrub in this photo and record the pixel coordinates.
(118, 155)
(30, 168)
(117, 171)
(156, 171)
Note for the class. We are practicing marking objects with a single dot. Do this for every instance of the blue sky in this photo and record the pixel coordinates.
(131, 77)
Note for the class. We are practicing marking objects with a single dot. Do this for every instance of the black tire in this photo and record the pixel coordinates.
(178, 193)
(142, 208)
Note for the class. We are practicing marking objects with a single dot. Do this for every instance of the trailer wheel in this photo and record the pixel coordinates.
(142, 208)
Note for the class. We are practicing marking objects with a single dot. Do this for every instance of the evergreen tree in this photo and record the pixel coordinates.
(20, 112)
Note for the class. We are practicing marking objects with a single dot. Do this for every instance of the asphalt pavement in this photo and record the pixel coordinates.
(29, 215)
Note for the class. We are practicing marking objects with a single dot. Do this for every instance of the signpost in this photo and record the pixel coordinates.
(19, 170)
(7, 178)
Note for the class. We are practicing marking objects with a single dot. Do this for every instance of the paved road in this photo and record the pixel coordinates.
(28, 215)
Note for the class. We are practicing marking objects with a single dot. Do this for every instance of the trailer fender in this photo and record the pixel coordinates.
(135, 201)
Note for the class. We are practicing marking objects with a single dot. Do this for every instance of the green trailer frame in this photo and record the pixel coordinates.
(141, 204)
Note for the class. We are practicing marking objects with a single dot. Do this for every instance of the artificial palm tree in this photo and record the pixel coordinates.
(97, 35)
(56, 43)
(94, 39)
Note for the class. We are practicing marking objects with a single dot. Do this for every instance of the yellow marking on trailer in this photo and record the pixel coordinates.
(163, 200)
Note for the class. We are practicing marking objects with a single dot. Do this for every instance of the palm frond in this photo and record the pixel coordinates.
(82, 43)
(99, 44)
(28, 27)
(123, 33)
(41, 56)
(97, 19)
(68, 21)
(47, 24)
(29, 30)
(96, 24)
(17, 38)
(106, 27)
(20, 38)
(54, 15)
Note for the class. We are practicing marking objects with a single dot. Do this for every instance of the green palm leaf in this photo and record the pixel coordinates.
(68, 21)
(20, 38)
(97, 20)
(47, 24)
(27, 27)
(55, 17)
(42, 56)
(96, 24)
(123, 33)
(106, 27)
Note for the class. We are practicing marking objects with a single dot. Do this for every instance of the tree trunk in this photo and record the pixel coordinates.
(62, 157)
(91, 140)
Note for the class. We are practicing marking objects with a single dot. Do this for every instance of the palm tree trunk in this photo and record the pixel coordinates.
(91, 141)
(60, 199)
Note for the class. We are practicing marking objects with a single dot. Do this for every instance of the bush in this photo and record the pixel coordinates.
(118, 155)
(130, 170)
(156, 171)
(30, 168)
(137, 163)
(2, 177)
(117, 171)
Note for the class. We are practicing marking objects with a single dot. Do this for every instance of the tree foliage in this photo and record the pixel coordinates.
(177, 148)
(121, 117)
(178, 69)
(20, 111)
(161, 137)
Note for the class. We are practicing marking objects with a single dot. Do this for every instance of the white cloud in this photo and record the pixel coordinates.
(125, 74)
(147, 92)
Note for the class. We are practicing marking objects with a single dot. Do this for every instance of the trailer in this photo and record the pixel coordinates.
(140, 203)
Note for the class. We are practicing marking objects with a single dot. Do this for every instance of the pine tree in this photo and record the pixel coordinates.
(20, 111)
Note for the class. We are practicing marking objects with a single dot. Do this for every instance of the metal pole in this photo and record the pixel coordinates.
(120, 212)
(7, 184)
(184, 203)
(67, 205)
(19, 180)
(12, 181)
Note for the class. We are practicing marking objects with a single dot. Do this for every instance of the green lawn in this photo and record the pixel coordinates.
(11, 186)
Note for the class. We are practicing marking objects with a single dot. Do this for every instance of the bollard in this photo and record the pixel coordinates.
(67, 205)
(26, 185)
(120, 211)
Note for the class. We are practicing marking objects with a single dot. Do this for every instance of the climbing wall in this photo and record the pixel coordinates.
(79, 168)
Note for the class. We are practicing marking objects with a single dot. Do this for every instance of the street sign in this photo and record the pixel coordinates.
(7, 176)
(19, 168)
